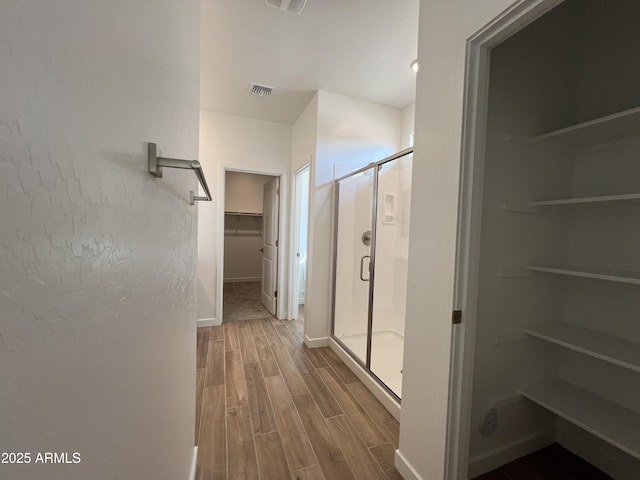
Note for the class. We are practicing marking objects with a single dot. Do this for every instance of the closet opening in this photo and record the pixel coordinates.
(251, 245)
(549, 265)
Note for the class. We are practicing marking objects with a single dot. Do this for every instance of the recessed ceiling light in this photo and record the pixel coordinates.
(415, 66)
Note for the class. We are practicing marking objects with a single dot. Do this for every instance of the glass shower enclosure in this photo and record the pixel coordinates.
(370, 266)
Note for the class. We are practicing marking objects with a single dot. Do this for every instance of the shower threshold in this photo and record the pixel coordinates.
(387, 348)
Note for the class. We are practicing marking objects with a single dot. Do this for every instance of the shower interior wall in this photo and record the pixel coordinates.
(392, 239)
(390, 273)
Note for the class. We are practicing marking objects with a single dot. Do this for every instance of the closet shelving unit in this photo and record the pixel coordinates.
(243, 214)
(242, 231)
(601, 417)
(598, 416)
(593, 273)
(608, 348)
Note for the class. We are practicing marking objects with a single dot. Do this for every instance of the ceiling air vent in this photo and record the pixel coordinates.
(291, 6)
(260, 90)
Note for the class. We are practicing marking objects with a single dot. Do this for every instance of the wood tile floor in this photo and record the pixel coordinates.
(269, 408)
(551, 463)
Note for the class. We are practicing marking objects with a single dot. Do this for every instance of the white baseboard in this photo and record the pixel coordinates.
(316, 342)
(405, 468)
(504, 454)
(208, 322)
(241, 279)
(374, 387)
(194, 464)
(611, 460)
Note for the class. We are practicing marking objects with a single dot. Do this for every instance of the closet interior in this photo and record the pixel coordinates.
(557, 352)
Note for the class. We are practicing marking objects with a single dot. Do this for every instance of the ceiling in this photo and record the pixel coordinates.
(359, 48)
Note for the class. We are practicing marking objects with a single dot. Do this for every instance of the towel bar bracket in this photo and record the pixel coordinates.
(155, 168)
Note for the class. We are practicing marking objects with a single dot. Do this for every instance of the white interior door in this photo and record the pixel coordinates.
(271, 207)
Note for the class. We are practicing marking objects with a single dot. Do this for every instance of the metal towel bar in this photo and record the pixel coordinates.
(155, 168)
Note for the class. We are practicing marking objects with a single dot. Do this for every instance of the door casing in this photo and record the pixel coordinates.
(282, 286)
(474, 128)
(294, 238)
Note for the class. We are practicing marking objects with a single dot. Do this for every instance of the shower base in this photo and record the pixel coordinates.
(387, 348)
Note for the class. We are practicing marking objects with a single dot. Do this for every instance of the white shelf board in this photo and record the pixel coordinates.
(625, 197)
(615, 350)
(605, 129)
(587, 272)
(606, 420)
(244, 214)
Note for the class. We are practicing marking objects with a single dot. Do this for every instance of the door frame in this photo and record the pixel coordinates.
(474, 127)
(283, 244)
(294, 233)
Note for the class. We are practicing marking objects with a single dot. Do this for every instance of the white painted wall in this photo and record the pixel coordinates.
(97, 257)
(350, 133)
(305, 134)
(243, 234)
(243, 192)
(444, 27)
(353, 133)
(408, 125)
(234, 143)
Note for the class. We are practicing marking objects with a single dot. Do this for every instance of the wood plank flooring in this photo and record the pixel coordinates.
(269, 408)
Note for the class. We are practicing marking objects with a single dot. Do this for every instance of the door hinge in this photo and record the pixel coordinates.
(278, 191)
(276, 243)
(456, 318)
(275, 294)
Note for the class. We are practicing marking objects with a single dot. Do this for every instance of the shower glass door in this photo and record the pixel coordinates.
(354, 200)
(391, 261)
(370, 271)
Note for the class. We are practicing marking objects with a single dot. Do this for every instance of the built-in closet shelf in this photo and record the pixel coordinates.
(604, 199)
(616, 350)
(587, 272)
(244, 214)
(606, 420)
(605, 129)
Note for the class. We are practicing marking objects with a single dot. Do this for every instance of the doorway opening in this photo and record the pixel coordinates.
(299, 265)
(548, 261)
(251, 241)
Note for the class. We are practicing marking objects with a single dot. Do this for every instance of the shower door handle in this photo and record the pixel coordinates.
(362, 268)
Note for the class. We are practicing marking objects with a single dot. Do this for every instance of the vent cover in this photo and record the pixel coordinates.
(260, 90)
(291, 6)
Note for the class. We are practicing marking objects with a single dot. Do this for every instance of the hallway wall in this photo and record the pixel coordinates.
(237, 143)
(445, 27)
(97, 257)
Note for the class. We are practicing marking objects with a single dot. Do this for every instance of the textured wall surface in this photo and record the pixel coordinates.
(97, 258)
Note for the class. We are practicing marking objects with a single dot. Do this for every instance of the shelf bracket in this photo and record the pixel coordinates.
(155, 168)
